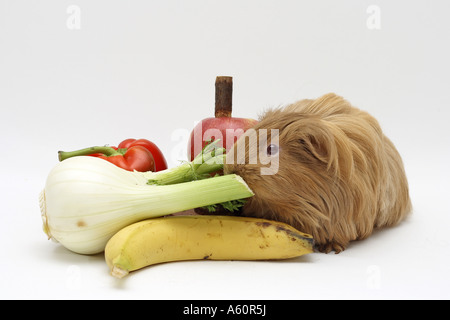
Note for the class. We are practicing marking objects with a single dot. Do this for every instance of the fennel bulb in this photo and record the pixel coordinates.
(86, 200)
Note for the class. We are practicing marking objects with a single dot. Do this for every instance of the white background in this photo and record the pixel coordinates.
(146, 69)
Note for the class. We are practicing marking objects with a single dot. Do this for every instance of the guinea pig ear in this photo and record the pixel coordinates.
(328, 146)
(314, 148)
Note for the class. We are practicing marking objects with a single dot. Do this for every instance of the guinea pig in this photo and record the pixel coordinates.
(337, 176)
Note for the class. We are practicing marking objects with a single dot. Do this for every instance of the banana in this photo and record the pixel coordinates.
(196, 237)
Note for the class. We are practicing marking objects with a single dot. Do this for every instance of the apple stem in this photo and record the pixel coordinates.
(224, 94)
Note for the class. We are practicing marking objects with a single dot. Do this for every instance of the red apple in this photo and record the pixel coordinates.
(224, 127)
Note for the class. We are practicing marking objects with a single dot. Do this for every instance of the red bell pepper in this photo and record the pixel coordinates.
(160, 161)
(131, 154)
(134, 158)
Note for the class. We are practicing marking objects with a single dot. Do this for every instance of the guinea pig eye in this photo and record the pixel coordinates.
(272, 150)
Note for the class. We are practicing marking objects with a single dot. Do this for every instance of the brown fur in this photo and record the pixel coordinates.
(339, 176)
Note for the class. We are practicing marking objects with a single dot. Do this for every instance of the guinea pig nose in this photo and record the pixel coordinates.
(272, 149)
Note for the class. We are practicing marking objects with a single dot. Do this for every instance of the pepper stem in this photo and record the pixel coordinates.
(224, 94)
(107, 151)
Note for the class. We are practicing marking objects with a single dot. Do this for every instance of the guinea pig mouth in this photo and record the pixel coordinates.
(230, 168)
(241, 170)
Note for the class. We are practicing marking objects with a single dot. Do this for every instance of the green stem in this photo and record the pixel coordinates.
(209, 151)
(187, 171)
(211, 165)
(107, 151)
(182, 173)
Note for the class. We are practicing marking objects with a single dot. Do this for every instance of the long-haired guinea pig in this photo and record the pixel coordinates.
(335, 174)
